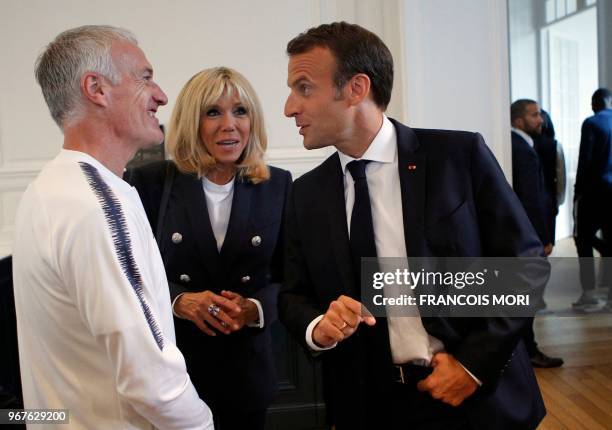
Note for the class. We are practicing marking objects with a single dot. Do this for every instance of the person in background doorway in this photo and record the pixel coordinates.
(593, 196)
(529, 185)
(552, 162)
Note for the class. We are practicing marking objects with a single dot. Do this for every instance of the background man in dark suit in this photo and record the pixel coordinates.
(593, 193)
(392, 191)
(529, 185)
(527, 174)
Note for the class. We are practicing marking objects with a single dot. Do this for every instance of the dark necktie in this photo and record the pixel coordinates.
(362, 227)
(377, 352)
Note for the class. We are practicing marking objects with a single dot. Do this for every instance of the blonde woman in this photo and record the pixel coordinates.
(217, 212)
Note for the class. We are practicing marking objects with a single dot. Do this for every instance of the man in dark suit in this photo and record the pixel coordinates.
(527, 173)
(529, 185)
(392, 191)
(593, 193)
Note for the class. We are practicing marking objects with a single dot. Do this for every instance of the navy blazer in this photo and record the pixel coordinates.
(594, 172)
(456, 202)
(528, 184)
(235, 370)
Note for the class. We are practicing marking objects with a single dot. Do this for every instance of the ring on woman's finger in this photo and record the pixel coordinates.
(344, 325)
(214, 309)
(223, 323)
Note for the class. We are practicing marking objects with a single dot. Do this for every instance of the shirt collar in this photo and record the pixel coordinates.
(524, 135)
(383, 148)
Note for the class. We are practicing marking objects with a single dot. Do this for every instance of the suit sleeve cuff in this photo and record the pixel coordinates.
(309, 340)
(260, 319)
(478, 381)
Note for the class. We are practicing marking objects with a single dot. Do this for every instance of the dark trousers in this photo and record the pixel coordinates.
(407, 408)
(591, 216)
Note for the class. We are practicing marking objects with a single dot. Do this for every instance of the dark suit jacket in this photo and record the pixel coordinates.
(546, 148)
(455, 203)
(234, 371)
(594, 173)
(528, 184)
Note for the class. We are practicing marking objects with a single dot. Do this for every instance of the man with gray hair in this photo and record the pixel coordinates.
(95, 327)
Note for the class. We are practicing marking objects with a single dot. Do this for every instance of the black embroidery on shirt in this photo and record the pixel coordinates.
(121, 240)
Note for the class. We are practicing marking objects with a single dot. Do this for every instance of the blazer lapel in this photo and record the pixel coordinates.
(194, 202)
(412, 168)
(338, 229)
(239, 217)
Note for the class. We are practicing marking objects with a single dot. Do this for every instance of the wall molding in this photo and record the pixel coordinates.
(297, 160)
(14, 179)
(11, 178)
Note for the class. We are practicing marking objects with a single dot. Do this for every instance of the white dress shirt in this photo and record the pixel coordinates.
(410, 343)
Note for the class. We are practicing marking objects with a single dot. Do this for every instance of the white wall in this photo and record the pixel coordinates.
(455, 52)
(457, 69)
(523, 50)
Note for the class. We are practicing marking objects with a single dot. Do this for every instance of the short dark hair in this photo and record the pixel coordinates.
(518, 108)
(602, 99)
(356, 50)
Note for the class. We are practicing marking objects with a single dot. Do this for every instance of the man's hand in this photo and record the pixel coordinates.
(194, 307)
(248, 314)
(449, 381)
(340, 321)
(548, 249)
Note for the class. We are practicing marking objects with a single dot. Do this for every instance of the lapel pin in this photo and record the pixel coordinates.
(411, 166)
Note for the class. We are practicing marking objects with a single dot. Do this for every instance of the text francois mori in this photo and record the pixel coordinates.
(458, 280)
